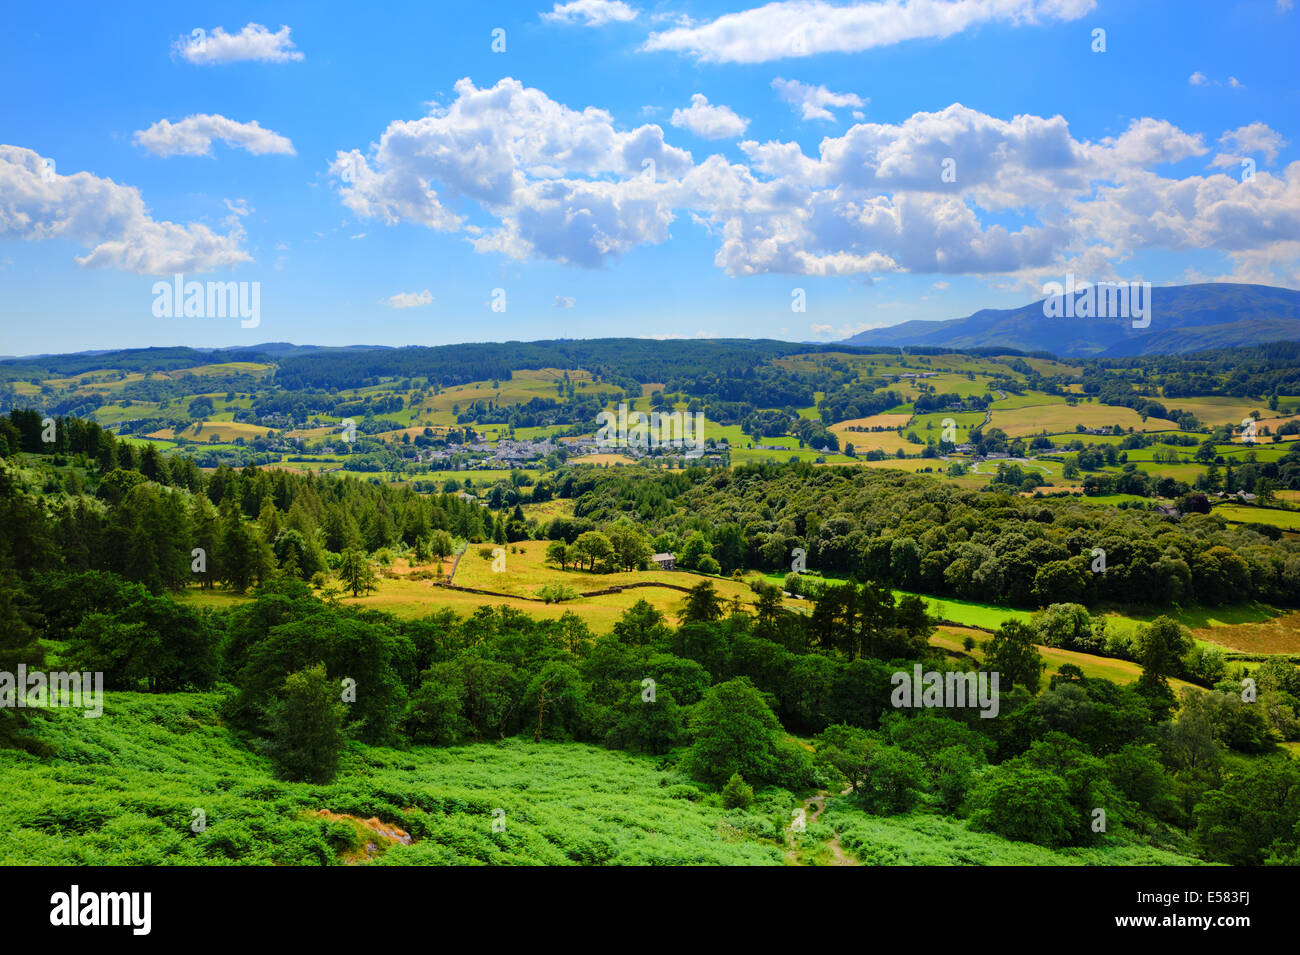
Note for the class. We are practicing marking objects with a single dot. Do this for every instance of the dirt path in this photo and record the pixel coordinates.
(813, 807)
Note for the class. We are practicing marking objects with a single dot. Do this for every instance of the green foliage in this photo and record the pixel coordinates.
(1023, 803)
(734, 731)
(1010, 652)
(893, 781)
(306, 726)
(556, 592)
(737, 794)
(355, 572)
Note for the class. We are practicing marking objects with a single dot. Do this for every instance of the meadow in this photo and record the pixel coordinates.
(123, 790)
(159, 780)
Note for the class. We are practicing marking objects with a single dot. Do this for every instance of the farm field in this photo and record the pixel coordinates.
(1287, 520)
(1062, 418)
(1092, 665)
(526, 570)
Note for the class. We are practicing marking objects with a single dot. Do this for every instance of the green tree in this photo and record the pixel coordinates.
(893, 781)
(737, 794)
(734, 731)
(1160, 647)
(701, 605)
(631, 549)
(356, 573)
(307, 726)
(557, 552)
(1023, 803)
(1010, 652)
(591, 549)
(639, 723)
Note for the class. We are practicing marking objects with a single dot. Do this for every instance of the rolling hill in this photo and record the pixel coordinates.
(1184, 318)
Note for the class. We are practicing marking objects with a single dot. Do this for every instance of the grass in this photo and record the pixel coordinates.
(525, 573)
(921, 839)
(1287, 520)
(1097, 667)
(1058, 418)
(526, 570)
(122, 790)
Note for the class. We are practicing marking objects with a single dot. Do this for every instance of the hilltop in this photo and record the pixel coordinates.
(1184, 318)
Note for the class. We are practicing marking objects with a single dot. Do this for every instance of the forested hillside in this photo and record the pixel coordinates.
(755, 689)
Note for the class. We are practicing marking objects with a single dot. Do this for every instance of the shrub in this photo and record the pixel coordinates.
(555, 593)
(737, 794)
(892, 782)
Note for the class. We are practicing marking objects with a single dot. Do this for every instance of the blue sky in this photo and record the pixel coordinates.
(396, 154)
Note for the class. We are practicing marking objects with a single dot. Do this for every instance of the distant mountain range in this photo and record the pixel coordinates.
(1183, 318)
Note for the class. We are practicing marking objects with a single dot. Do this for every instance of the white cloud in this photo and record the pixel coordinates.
(709, 122)
(844, 331)
(808, 27)
(409, 299)
(193, 136)
(254, 42)
(109, 218)
(812, 101)
(564, 301)
(1200, 79)
(591, 13)
(531, 178)
(1255, 139)
(562, 184)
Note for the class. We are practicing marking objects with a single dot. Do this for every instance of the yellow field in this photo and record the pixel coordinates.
(524, 386)
(1216, 410)
(602, 459)
(547, 510)
(220, 430)
(1106, 668)
(527, 570)
(1061, 419)
(877, 421)
(887, 441)
(410, 599)
(223, 368)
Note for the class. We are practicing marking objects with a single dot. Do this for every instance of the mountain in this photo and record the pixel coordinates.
(1183, 318)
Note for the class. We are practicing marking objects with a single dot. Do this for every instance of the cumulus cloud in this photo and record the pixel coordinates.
(709, 122)
(409, 299)
(591, 13)
(193, 136)
(1200, 79)
(255, 42)
(519, 174)
(562, 184)
(811, 102)
(791, 28)
(1257, 139)
(110, 219)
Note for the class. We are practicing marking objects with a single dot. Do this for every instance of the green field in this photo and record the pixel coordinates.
(123, 789)
(1287, 520)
